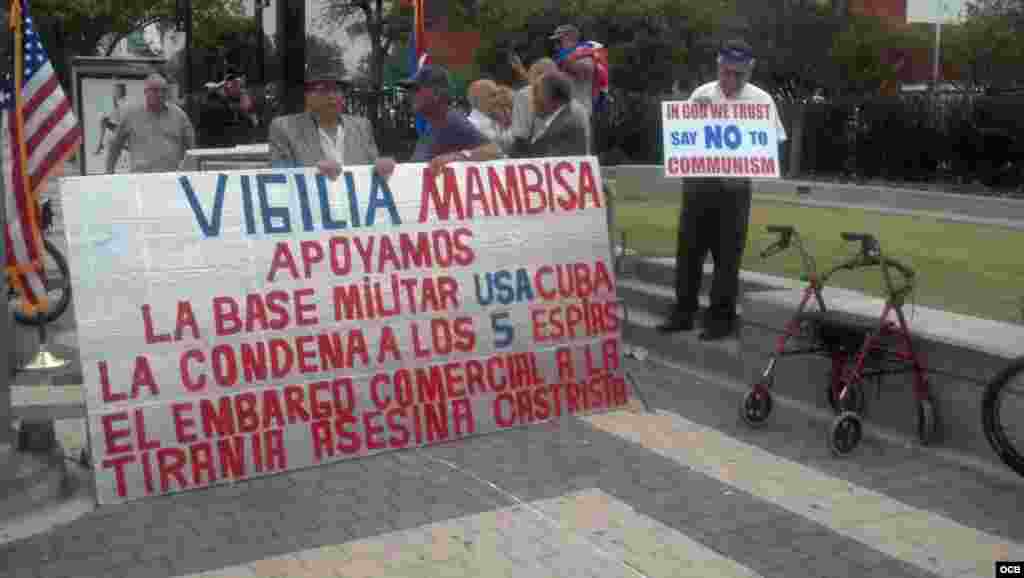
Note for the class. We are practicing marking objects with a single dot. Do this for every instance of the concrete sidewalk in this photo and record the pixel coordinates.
(685, 491)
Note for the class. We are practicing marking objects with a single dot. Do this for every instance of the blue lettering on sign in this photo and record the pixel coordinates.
(210, 226)
(684, 138)
(733, 137)
(330, 223)
(380, 197)
(503, 287)
(277, 220)
(268, 211)
(715, 136)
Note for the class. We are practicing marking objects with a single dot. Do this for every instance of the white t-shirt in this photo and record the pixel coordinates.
(484, 124)
(750, 93)
(334, 147)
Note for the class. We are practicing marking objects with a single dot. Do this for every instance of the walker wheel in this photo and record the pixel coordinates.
(845, 433)
(926, 422)
(757, 406)
(855, 400)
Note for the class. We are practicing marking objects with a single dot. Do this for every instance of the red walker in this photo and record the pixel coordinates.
(875, 349)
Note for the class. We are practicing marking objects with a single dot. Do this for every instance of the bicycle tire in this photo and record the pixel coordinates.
(1010, 455)
(57, 306)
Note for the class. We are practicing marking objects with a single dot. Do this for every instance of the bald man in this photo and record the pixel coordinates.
(480, 94)
(156, 136)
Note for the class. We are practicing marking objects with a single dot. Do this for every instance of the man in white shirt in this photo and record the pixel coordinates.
(479, 95)
(716, 212)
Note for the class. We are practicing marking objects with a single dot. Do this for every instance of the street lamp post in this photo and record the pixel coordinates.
(260, 5)
(184, 21)
(291, 48)
(937, 58)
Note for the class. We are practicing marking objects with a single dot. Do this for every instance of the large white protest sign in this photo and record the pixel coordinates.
(246, 323)
(732, 139)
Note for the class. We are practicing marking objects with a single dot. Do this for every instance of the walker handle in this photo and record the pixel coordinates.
(868, 243)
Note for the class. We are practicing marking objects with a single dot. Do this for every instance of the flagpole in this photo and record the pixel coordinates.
(6, 323)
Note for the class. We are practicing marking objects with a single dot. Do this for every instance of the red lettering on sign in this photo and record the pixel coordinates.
(171, 462)
(111, 435)
(147, 322)
(202, 464)
(186, 320)
(283, 259)
(526, 188)
(108, 395)
(118, 464)
(183, 423)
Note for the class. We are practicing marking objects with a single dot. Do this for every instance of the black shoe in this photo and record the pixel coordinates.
(717, 330)
(677, 322)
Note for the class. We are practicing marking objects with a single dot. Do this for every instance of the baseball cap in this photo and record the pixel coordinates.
(736, 51)
(563, 30)
(430, 76)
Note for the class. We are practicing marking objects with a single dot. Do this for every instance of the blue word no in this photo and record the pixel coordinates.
(714, 136)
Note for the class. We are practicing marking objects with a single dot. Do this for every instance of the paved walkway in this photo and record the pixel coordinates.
(683, 491)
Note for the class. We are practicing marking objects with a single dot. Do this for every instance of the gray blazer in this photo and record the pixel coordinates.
(567, 136)
(295, 141)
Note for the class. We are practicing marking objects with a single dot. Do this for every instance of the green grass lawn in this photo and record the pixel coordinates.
(967, 269)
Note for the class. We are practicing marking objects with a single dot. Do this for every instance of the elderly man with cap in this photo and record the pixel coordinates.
(452, 137)
(156, 136)
(322, 136)
(716, 212)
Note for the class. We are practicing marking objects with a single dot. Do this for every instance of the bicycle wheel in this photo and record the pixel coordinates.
(1004, 397)
(58, 289)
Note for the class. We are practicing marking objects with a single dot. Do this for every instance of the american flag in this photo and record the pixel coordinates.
(39, 133)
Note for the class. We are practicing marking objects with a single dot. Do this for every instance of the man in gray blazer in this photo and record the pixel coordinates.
(562, 126)
(323, 136)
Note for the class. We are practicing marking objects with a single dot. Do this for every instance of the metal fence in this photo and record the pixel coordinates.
(955, 138)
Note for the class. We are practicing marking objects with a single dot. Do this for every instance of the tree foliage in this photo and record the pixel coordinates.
(858, 52)
(91, 27)
(660, 45)
(651, 42)
(988, 47)
(94, 27)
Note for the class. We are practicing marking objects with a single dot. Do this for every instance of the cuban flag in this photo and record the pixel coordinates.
(418, 55)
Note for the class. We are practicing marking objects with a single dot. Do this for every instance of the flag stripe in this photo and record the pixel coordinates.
(60, 152)
(39, 78)
(46, 124)
(18, 274)
(34, 97)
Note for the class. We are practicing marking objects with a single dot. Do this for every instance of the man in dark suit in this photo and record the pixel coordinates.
(562, 125)
(323, 136)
